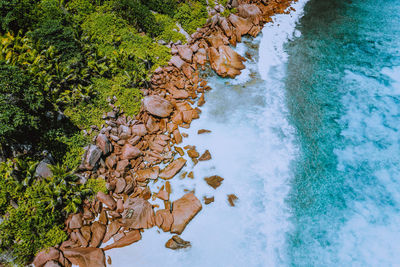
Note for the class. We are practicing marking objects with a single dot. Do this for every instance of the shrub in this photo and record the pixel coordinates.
(17, 15)
(191, 15)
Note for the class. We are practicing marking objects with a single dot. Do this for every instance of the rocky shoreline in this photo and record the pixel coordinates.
(128, 152)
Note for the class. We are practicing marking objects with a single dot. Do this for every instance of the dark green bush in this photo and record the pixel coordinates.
(18, 15)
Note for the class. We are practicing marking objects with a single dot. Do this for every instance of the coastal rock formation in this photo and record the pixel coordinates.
(129, 238)
(107, 200)
(225, 61)
(85, 257)
(177, 243)
(172, 169)
(164, 220)
(157, 106)
(183, 211)
(138, 214)
(46, 255)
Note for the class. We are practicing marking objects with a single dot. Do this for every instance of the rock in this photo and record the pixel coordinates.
(191, 175)
(200, 57)
(178, 94)
(163, 195)
(223, 22)
(120, 205)
(120, 185)
(124, 132)
(208, 200)
(109, 261)
(76, 221)
(139, 130)
(242, 25)
(85, 257)
(130, 238)
(177, 136)
(183, 210)
(52, 264)
(179, 150)
(177, 62)
(177, 243)
(87, 214)
(138, 214)
(157, 106)
(121, 165)
(217, 39)
(232, 198)
(98, 232)
(43, 169)
(91, 157)
(112, 229)
(111, 161)
(193, 153)
(107, 200)
(185, 52)
(46, 255)
(82, 240)
(130, 152)
(104, 144)
(164, 219)
(86, 233)
(103, 218)
(201, 101)
(150, 173)
(202, 131)
(250, 11)
(206, 156)
(225, 61)
(172, 169)
(214, 181)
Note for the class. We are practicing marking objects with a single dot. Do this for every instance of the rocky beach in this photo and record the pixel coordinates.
(129, 153)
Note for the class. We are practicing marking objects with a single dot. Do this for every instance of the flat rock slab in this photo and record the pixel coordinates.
(157, 106)
(177, 243)
(183, 211)
(130, 238)
(85, 257)
(138, 214)
(172, 169)
(214, 181)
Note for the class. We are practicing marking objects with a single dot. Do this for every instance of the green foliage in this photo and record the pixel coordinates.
(96, 185)
(21, 103)
(40, 206)
(191, 15)
(167, 7)
(17, 15)
(170, 29)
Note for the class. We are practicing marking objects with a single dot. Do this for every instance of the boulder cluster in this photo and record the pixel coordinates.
(127, 152)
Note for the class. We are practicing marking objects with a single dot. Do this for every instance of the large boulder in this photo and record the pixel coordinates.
(130, 238)
(185, 52)
(138, 214)
(91, 157)
(177, 62)
(157, 106)
(85, 257)
(183, 211)
(225, 61)
(130, 152)
(172, 169)
(46, 255)
(242, 25)
(250, 11)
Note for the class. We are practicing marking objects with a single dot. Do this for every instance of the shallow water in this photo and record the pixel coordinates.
(308, 138)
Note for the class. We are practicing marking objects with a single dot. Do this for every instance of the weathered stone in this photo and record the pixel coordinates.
(172, 169)
(225, 61)
(120, 185)
(183, 211)
(130, 152)
(46, 255)
(232, 198)
(91, 157)
(150, 173)
(76, 221)
(138, 214)
(43, 169)
(208, 200)
(200, 57)
(185, 53)
(178, 94)
(177, 62)
(193, 153)
(250, 11)
(206, 156)
(111, 161)
(177, 136)
(164, 219)
(86, 233)
(129, 238)
(82, 240)
(242, 25)
(163, 195)
(121, 165)
(85, 257)
(177, 243)
(139, 130)
(214, 181)
(120, 205)
(107, 200)
(98, 232)
(202, 131)
(104, 144)
(157, 106)
(112, 229)
(52, 264)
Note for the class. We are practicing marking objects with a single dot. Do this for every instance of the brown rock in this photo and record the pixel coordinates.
(107, 200)
(120, 185)
(177, 136)
(130, 238)
(191, 175)
(208, 200)
(201, 101)
(157, 106)
(112, 229)
(103, 143)
(200, 57)
(150, 173)
(242, 25)
(109, 261)
(177, 243)
(225, 61)
(164, 219)
(138, 214)
(91, 157)
(250, 11)
(223, 22)
(202, 131)
(98, 232)
(178, 94)
(163, 195)
(103, 218)
(139, 130)
(172, 169)
(130, 152)
(206, 156)
(111, 161)
(76, 221)
(121, 165)
(179, 150)
(120, 205)
(232, 198)
(85, 257)
(82, 240)
(46, 255)
(214, 181)
(185, 52)
(183, 211)
(177, 62)
(86, 233)
(193, 153)
(52, 264)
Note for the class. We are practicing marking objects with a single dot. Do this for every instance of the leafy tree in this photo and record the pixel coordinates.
(16, 15)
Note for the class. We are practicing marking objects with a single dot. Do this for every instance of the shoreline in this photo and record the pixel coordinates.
(130, 151)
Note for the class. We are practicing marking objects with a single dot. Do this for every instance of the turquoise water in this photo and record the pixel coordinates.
(343, 94)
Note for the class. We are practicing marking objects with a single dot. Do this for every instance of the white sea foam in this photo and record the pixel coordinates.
(252, 146)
